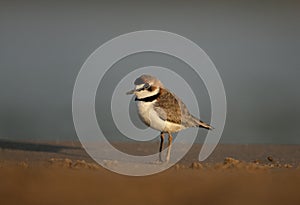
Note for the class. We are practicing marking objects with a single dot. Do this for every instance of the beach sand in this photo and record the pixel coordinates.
(62, 173)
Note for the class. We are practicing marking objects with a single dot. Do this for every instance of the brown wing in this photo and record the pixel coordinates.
(169, 107)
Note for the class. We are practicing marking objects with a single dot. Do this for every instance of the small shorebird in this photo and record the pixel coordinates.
(162, 110)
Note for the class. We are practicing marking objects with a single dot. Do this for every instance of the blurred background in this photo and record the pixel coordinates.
(255, 46)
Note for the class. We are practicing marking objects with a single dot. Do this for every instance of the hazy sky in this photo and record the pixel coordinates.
(254, 45)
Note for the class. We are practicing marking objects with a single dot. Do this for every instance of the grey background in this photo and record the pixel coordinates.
(254, 45)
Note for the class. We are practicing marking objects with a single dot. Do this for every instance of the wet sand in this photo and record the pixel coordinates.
(62, 173)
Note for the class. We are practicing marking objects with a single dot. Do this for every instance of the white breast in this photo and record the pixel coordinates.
(150, 117)
(144, 109)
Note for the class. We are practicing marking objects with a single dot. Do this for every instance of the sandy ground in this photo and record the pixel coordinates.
(62, 173)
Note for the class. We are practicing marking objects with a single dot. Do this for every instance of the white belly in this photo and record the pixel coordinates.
(151, 118)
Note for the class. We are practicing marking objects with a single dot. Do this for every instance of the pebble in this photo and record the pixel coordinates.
(270, 158)
(196, 165)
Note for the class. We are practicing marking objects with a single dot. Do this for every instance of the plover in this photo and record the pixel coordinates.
(162, 110)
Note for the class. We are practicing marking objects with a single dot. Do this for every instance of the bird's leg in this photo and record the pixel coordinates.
(161, 147)
(169, 146)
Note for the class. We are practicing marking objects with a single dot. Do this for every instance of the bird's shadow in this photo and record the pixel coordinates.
(34, 146)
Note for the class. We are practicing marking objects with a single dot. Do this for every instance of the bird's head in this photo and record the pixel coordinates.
(146, 86)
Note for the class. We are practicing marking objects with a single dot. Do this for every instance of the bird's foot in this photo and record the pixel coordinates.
(158, 162)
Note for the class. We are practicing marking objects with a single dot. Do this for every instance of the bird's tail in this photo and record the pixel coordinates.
(204, 125)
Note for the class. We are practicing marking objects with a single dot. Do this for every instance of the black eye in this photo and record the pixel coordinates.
(147, 86)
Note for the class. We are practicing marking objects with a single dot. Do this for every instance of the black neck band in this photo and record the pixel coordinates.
(148, 99)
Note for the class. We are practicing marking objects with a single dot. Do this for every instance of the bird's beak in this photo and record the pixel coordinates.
(130, 92)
